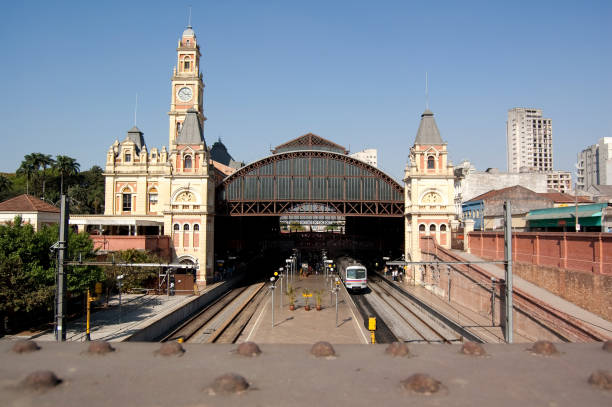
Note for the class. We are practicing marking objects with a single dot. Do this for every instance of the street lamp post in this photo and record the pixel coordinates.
(272, 280)
(119, 282)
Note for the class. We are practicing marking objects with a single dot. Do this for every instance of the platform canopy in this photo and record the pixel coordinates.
(114, 220)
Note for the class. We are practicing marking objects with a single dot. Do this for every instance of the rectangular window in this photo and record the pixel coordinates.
(152, 201)
(127, 202)
(187, 65)
(128, 157)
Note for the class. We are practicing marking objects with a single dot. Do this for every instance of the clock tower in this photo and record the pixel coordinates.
(429, 191)
(187, 85)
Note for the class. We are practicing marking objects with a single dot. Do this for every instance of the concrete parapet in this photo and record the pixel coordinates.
(288, 375)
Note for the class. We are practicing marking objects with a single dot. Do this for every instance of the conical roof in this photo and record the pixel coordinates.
(428, 132)
(191, 131)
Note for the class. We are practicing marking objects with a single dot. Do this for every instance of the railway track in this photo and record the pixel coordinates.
(383, 333)
(410, 322)
(224, 320)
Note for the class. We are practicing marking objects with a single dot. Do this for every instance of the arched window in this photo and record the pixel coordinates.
(128, 157)
(186, 226)
(176, 226)
(421, 228)
(187, 163)
(188, 42)
(431, 163)
(187, 64)
(442, 228)
(432, 228)
(196, 227)
(127, 202)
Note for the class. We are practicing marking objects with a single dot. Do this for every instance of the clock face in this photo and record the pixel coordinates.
(184, 94)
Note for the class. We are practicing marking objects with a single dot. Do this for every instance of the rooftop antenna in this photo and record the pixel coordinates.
(189, 24)
(135, 109)
(426, 92)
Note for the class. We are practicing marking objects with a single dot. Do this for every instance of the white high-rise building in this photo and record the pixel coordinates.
(369, 156)
(595, 164)
(529, 140)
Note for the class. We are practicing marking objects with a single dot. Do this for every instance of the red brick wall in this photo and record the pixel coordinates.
(574, 266)
(586, 252)
(156, 244)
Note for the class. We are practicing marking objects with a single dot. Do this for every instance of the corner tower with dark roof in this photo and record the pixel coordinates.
(166, 191)
(429, 191)
(187, 85)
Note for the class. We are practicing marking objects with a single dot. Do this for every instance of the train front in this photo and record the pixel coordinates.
(356, 278)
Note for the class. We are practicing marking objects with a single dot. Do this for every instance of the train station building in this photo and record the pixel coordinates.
(180, 203)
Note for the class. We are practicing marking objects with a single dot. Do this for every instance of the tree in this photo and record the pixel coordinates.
(87, 195)
(27, 169)
(4, 183)
(65, 166)
(42, 161)
(27, 269)
(134, 277)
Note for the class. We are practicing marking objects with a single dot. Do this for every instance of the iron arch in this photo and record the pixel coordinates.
(310, 180)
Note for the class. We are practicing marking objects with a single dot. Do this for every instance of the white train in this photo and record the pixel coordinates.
(353, 274)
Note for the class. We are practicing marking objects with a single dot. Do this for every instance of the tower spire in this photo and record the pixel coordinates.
(135, 108)
(426, 92)
(189, 21)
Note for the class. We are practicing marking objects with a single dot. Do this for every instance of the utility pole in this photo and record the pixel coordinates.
(60, 293)
(508, 261)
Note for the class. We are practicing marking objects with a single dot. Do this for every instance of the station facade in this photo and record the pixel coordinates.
(177, 192)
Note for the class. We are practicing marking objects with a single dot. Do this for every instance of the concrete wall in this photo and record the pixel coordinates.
(574, 266)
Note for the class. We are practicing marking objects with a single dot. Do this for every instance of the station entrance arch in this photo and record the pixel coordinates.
(309, 194)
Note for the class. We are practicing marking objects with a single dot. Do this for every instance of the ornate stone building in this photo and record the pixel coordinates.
(166, 191)
(429, 191)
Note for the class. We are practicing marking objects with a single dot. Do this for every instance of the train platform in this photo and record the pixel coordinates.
(307, 327)
(117, 323)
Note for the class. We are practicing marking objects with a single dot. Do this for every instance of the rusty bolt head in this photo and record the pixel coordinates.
(601, 379)
(545, 348)
(322, 349)
(422, 384)
(170, 349)
(473, 349)
(25, 346)
(100, 348)
(397, 349)
(229, 383)
(41, 379)
(248, 349)
(607, 346)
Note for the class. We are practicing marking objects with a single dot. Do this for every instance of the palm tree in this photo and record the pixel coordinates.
(27, 168)
(65, 166)
(44, 161)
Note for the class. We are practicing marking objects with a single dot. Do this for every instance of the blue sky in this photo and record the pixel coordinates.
(349, 71)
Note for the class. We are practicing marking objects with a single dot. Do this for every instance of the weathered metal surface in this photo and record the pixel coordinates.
(282, 375)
